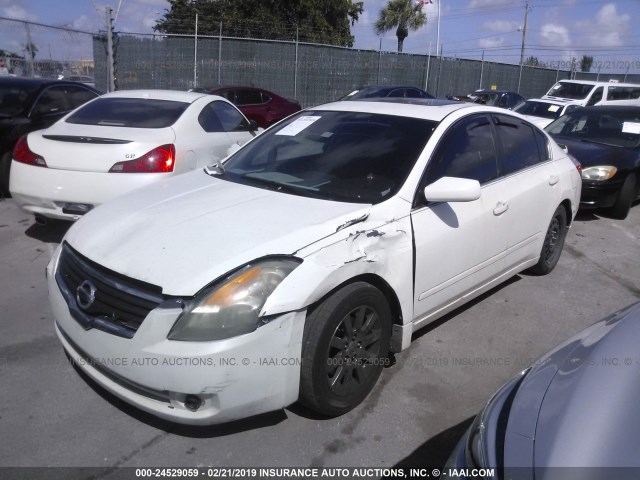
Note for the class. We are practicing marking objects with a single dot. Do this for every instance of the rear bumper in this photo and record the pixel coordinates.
(46, 191)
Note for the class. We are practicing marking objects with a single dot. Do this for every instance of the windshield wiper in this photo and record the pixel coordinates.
(283, 187)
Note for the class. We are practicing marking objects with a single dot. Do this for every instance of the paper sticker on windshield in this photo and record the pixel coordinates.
(631, 127)
(554, 108)
(297, 126)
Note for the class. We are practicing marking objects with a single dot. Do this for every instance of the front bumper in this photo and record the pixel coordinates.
(47, 191)
(234, 378)
(599, 195)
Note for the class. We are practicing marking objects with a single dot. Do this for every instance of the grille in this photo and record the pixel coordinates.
(120, 303)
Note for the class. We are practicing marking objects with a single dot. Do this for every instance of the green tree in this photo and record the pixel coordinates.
(402, 15)
(326, 21)
(586, 63)
(532, 61)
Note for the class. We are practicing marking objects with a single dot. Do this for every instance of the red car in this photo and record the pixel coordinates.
(257, 104)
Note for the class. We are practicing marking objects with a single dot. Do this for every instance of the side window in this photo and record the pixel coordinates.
(397, 93)
(248, 97)
(52, 100)
(228, 94)
(519, 144)
(596, 97)
(78, 96)
(412, 93)
(230, 118)
(543, 146)
(466, 150)
(209, 120)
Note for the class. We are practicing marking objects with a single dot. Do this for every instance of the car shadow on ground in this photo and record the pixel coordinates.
(51, 232)
(191, 431)
(434, 452)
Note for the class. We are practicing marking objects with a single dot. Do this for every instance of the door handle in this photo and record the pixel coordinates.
(501, 207)
(553, 179)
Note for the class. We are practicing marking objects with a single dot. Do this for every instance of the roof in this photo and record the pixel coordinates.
(13, 80)
(598, 83)
(611, 109)
(425, 109)
(174, 95)
(546, 100)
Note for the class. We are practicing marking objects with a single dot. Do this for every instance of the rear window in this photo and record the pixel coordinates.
(129, 112)
(539, 109)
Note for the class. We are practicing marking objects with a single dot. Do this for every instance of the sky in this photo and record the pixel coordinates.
(556, 30)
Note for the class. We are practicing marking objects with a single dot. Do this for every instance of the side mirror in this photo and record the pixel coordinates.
(452, 189)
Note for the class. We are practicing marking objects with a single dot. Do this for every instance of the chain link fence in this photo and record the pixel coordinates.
(310, 73)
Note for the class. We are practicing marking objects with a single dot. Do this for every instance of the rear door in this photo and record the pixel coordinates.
(530, 183)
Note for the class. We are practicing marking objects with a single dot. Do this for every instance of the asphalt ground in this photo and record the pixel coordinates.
(51, 415)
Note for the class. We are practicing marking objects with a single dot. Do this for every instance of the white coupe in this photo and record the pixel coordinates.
(119, 142)
(289, 272)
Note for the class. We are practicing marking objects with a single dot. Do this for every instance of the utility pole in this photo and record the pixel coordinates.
(524, 39)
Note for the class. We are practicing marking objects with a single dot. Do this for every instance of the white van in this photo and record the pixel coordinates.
(587, 93)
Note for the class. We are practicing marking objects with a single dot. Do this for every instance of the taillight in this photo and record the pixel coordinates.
(158, 160)
(23, 154)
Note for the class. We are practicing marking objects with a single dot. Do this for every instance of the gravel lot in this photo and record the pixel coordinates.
(50, 415)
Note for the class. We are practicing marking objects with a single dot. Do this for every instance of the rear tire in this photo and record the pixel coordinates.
(5, 168)
(625, 199)
(553, 243)
(345, 346)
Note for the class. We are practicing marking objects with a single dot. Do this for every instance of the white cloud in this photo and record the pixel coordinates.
(18, 12)
(491, 42)
(607, 29)
(501, 26)
(490, 3)
(555, 35)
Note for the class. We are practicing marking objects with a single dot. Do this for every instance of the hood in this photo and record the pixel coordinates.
(592, 154)
(184, 232)
(589, 416)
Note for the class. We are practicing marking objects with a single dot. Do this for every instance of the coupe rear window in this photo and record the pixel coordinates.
(129, 112)
(341, 156)
(539, 109)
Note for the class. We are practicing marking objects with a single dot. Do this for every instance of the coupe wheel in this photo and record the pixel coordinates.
(345, 346)
(625, 199)
(553, 243)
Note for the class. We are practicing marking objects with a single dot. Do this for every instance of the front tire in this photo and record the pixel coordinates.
(345, 346)
(553, 243)
(5, 168)
(625, 199)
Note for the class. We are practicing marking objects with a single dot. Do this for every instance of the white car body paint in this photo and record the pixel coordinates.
(79, 172)
(190, 230)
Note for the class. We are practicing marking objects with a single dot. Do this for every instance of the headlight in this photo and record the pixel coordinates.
(231, 307)
(602, 172)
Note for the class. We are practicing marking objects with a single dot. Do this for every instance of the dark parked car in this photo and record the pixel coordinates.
(577, 406)
(366, 93)
(606, 141)
(32, 104)
(493, 98)
(263, 106)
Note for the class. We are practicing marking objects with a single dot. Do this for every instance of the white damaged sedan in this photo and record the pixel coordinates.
(292, 269)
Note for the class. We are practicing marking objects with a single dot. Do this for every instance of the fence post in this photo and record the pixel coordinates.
(195, 55)
(111, 83)
(220, 56)
(379, 61)
(426, 82)
(295, 69)
(439, 71)
(481, 70)
(29, 48)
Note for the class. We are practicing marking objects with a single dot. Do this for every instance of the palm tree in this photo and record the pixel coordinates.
(402, 15)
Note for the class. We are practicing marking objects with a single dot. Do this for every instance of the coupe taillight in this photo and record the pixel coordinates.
(159, 160)
(23, 154)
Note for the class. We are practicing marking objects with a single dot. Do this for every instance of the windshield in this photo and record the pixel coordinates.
(129, 112)
(620, 129)
(342, 156)
(539, 109)
(13, 99)
(574, 91)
